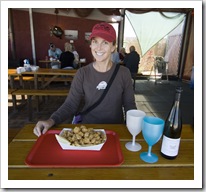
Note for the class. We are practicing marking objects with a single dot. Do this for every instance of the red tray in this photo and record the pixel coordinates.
(47, 152)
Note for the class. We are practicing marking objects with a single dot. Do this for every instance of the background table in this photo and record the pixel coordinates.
(40, 73)
(133, 168)
(45, 63)
(11, 75)
(54, 73)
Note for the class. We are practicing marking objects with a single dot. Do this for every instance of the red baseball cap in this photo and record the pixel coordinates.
(105, 31)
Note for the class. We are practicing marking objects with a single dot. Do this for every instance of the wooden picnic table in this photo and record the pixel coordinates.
(45, 63)
(41, 72)
(46, 76)
(13, 74)
(132, 168)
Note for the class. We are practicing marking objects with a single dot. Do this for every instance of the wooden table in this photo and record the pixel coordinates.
(46, 63)
(133, 168)
(41, 72)
(35, 75)
(11, 75)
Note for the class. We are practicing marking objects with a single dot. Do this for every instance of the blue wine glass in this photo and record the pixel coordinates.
(152, 130)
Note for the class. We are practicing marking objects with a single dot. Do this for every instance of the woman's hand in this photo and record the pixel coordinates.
(42, 127)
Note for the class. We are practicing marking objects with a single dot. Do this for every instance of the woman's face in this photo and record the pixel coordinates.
(101, 49)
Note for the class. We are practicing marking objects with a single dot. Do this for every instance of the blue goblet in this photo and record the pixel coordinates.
(152, 130)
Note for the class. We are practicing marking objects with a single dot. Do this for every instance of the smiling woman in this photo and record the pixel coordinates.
(91, 83)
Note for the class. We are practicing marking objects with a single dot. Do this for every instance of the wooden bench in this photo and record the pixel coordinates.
(33, 92)
(10, 91)
(31, 78)
(42, 80)
(21, 80)
(24, 78)
(45, 81)
(57, 79)
(41, 92)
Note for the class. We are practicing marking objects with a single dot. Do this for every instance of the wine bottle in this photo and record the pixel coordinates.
(172, 129)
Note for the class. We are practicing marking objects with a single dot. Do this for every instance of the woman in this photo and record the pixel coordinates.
(87, 86)
(76, 57)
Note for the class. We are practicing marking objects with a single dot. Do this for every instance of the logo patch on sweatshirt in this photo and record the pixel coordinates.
(102, 85)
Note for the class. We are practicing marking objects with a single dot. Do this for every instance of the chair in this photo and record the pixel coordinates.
(159, 68)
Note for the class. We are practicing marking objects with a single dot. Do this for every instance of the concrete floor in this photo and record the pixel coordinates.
(157, 99)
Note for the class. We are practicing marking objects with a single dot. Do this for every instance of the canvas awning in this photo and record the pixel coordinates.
(151, 27)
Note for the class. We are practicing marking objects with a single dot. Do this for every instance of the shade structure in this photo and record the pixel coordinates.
(151, 27)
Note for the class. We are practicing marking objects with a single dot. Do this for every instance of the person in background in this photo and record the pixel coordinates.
(115, 57)
(54, 54)
(76, 57)
(67, 57)
(89, 84)
(122, 54)
(131, 61)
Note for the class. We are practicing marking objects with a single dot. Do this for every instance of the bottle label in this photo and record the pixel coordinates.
(170, 147)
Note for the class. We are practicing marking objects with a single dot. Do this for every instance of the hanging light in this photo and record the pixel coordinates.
(56, 30)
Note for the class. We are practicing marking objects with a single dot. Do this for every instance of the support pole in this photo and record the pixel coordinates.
(32, 36)
(11, 35)
(121, 30)
(184, 46)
